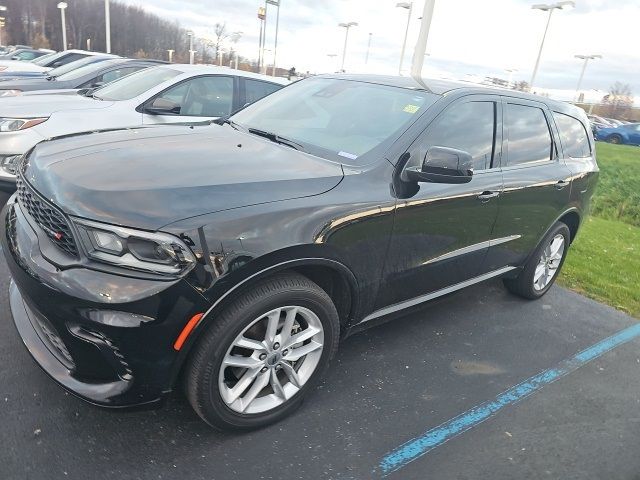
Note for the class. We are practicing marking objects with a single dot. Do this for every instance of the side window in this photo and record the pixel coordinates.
(528, 134)
(203, 96)
(108, 77)
(255, 89)
(27, 55)
(468, 126)
(573, 136)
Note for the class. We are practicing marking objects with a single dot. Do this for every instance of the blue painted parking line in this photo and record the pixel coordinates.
(419, 446)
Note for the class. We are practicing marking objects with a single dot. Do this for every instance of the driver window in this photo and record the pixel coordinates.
(468, 126)
(203, 96)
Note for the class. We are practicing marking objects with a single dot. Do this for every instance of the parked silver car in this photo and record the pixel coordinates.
(155, 96)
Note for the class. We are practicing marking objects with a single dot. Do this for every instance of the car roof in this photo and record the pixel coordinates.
(443, 87)
(214, 69)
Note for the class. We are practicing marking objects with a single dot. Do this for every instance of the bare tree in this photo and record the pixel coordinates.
(221, 34)
(618, 100)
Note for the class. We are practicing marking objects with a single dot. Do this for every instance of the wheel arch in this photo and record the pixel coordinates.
(333, 276)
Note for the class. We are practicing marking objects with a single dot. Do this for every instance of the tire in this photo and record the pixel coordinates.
(289, 299)
(530, 284)
(616, 139)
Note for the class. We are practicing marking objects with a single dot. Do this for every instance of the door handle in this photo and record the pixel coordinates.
(487, 195)
(561, 184)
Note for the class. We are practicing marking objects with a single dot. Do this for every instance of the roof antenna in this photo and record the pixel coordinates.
(421, 44)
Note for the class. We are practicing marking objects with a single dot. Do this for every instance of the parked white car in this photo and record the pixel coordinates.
(155, 96)
(46, 62)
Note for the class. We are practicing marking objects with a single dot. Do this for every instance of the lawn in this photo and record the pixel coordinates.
(604, 261)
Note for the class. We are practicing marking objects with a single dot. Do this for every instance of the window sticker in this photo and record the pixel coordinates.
(410, 108)
(348, 155)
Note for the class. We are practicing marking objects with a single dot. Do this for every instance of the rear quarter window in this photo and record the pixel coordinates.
(573, 136)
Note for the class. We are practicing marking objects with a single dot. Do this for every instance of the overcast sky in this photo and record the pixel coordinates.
(469, 38)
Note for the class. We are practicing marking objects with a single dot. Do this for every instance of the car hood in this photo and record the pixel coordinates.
(151, 177)
(24, 106)
(18, 66)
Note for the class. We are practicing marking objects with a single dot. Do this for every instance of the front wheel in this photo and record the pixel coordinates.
(616, 139)
(543, 266)
(263, 353)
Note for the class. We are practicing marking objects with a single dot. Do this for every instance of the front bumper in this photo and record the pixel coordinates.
(105, 338)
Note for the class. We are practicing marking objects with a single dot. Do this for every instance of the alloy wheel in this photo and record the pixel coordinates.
(549, 262)
(271, 360)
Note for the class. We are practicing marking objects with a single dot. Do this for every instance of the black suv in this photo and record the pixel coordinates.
(231, 258)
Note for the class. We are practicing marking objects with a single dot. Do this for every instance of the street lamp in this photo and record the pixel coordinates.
(550, 7)
(366, 58)
(2, 9)
(586, 59)
(190, 35)
(275, 46)
(107, 25)
(346, 26)
(62, 6)
(510, 71)
(408, 6)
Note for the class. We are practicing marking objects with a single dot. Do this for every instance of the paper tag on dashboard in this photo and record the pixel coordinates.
(348, 155)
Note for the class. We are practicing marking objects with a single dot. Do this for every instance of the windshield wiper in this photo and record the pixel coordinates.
(276, 138)
(225, 119)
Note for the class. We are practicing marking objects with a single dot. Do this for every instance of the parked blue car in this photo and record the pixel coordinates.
(624, 134)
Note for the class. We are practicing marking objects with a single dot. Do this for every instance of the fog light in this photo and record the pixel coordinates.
(117, 319)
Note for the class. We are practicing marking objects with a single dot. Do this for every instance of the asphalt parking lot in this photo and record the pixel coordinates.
(387, 386)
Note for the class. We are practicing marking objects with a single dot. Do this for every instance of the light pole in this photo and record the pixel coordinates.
(275, 46)
(332, 56)
(107, 25)
(586, 59)
(346, 26)
(62, 6)
(2, 9)
(235, 36)
(190, 35)
(510, 71)
(170, 55)
(366, 58)
(262, 16)
(550, 7)
(421, 44)
(408, 6)
(263, 68)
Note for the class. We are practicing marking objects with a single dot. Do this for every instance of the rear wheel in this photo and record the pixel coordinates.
(617, 139)
(263, 354)
(543, 266)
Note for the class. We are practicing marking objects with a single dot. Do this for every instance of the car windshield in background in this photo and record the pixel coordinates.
(71, 66)
(47, 58)
(79, 71)
(136, 84)
(338, 119)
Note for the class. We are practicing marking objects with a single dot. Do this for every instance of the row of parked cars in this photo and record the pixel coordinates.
(79, 91)
(615, 131)
(151, 248)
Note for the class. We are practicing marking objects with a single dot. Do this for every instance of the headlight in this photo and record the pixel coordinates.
(15, 124)
(9, 164)
(135, 249)
(10, 93)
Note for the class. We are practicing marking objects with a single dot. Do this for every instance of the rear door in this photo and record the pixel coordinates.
(537, 182)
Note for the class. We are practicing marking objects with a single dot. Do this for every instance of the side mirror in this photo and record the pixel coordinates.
(162, 106)
(443, 165)
(97, 84)
(57, 64)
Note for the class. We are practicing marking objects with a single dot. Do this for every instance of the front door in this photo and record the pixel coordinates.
(199, 99)
(537, 182)
(442, 233)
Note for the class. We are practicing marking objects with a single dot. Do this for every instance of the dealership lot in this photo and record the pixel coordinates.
(387, 386)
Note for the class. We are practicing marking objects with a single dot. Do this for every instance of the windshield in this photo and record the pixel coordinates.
(74, 66)
(136, 84)
(45, 59)
(337, 119)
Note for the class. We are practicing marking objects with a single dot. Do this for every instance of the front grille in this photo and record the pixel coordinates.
(48, 218)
